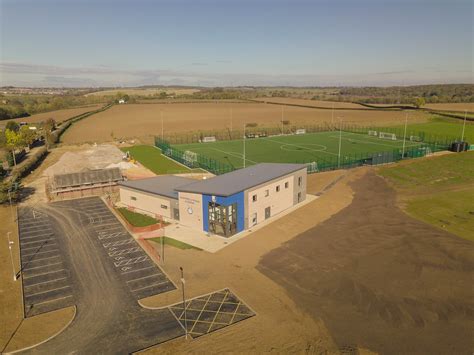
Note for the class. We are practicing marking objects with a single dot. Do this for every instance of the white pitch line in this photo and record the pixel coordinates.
(144, 277)
(153, 285)
(302, 147)
(42, 266)
(44, 273)
(40, 293)
(53, 300)
(46, 282)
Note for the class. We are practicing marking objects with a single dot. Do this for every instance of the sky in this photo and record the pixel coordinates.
(84, 43)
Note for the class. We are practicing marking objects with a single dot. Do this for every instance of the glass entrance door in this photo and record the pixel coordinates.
(222, 219)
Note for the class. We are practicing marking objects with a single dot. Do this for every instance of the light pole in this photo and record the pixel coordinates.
(10, 243)
(231, 119)
(282, 115)
(161, 114)
(332, 116)
(11, 206)
(244, 146)
(405, 135)
(464, 125)
(340, 141)
(184, 303)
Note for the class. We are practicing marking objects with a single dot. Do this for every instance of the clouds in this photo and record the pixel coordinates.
(201, 74)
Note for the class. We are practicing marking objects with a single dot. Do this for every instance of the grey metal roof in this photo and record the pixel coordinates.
(240, 180)
(87, 177)
(159, 185)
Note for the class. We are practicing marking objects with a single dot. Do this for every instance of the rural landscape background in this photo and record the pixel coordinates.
(376, 98)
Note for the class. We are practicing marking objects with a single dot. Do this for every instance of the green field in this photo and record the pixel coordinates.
(305, 148)
(444, 127)
(137, 219)
(438, 190)
(151, 158)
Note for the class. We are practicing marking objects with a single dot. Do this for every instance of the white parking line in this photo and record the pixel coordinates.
(131, 261)
(144, 277)
(109, 224)
(153, 285)
(46, 282)
(44, 273)
(35, 233)
(38, 236)
(42, 292)
(39, 267)
(37, 241)
(145, 268)
(36, 247)
(49, 257)
(33, 226)
(41, 252)
(53, 300)
(118, 242)
(125, 251)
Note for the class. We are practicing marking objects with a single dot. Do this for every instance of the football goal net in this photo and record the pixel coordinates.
(300, 131)
(385, 135)
(312, 167)
(415, 139)
(189, 157)
(208, 139)
(373, 133)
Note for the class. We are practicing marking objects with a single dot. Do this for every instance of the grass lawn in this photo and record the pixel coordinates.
(174, 243)
(151, 158)
(137, 219)
(438, 190)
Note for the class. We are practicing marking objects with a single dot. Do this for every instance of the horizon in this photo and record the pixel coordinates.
(82, 44)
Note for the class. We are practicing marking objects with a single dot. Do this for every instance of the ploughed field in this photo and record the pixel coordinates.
(144, 120)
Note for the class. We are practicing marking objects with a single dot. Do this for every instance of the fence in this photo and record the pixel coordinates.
(196, 161)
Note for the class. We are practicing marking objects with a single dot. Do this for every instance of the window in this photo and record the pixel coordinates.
(267, 193)
(164, 207)
(254, 198)
(278, 188)
(299, 197)
(133, 198)
(286, 185)
(254, 219)
(300, 180)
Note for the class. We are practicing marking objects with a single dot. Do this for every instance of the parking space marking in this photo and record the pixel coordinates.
(44, 273)
(40, 252)
(152, 285)
(36, 241)
(49, 257)
(129, 271)
(36, 247)
(38, 236)
(46, 282)
(118, 242)
(144, 277)
(53, 300)
(124, 251)
(47, 291)
(39, 267)
(137, 260)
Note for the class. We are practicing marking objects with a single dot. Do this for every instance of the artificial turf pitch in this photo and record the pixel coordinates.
(304, 148)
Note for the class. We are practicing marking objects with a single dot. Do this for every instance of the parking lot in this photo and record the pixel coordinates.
(47, 284)
(211, 312)
(141, 275)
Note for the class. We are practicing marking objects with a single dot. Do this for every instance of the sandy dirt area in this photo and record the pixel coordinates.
(379, 279)
(16, 332)
(59, 115)
(280, 325)
(144, 120)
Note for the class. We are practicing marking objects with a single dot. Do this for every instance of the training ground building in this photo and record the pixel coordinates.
(224, 205)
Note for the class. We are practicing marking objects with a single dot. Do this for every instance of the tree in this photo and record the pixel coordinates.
(419, 101)
(50, 124)
(28, 135)
(14, 141)
(12, 126)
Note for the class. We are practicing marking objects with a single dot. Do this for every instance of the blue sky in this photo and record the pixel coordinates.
(227, 42)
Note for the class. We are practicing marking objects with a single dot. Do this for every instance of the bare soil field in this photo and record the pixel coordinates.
(144, 92)
(143, 120)
(315, 103)
(59, 115)
(379, 279)
(452, 107)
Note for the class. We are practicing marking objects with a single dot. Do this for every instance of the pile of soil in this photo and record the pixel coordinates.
(380, 279)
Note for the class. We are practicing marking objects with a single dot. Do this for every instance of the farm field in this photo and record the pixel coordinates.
(59, 115)
(144, 92)
(315, 103)
(143, 120)
(311, 147)
(446, 201)
(452, 107)
(151, 158)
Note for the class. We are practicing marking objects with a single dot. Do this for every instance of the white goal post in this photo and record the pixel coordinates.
(415, 139)
(312, 167)
(300, 131)
(190, 157)
(385, 135)
(208, 139)
(373, 133)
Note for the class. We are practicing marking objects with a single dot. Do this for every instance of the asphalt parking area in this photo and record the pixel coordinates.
(211, 312)
(46, 280)
(141, 275)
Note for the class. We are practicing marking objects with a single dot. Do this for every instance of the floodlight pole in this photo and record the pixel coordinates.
(332, 116)
(10, 243)
(340, 141)
(184, 304)
(464, 125)
(244, 145)
(162, 130)
(405, 135)
(231, 118)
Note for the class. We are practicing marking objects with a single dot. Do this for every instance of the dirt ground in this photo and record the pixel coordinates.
(16, 333)
(316, 103)
(143, 120)
(379, 279)
(59, 115)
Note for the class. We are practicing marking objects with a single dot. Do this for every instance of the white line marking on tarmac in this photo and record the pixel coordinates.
(37, 247)
(53, 300)
(37, 241)
(44, 273)
(42, 292)
(157, 284)
(39, 267)
(37, 236)
(41, 252)
(144, 277)
(46, 282)
(127, 272)
(49, 257)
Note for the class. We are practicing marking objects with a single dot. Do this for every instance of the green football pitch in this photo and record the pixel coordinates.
(305, 148)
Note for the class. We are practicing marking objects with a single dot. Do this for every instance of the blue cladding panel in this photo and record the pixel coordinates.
(224, 201)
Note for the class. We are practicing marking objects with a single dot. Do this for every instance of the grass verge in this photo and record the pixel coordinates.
(438, 190)
(174, 243)
(137, 219)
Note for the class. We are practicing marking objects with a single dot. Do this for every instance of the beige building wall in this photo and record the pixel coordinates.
(147, 203)
(299, 188)
(190, 210)
(277, 201)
